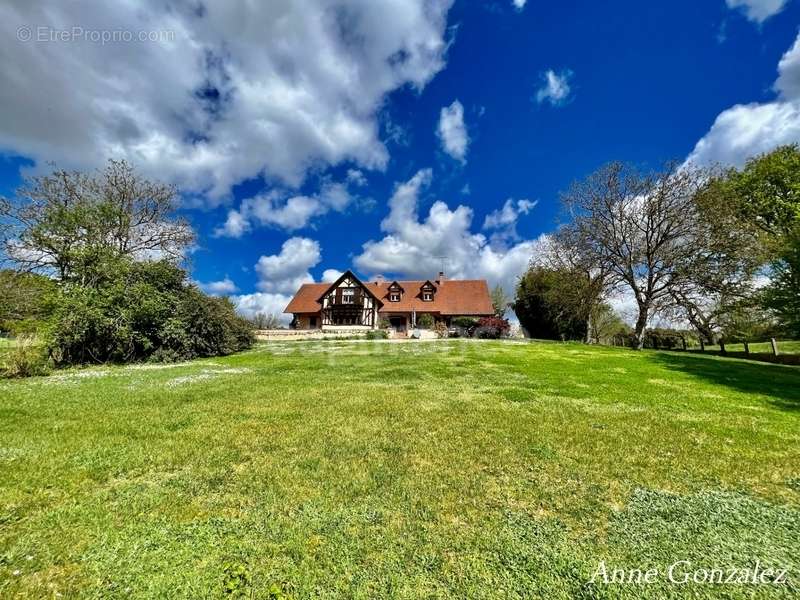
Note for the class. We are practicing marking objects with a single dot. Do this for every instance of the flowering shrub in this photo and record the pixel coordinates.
(491, 328)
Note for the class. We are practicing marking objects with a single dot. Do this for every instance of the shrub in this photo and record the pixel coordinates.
(440, 329)
(463, 327)
(492, 328)
(425, 321)
(384, 323)
(666, 339)
(464, 322)
(143, 311)
(377, 334)
(26, 358)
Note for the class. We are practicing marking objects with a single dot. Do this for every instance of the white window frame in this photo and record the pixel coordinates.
(427, 296)
(348, 296)
(394, 297)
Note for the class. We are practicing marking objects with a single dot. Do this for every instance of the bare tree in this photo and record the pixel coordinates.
(637, 228)
(262, 320)
(57, 220)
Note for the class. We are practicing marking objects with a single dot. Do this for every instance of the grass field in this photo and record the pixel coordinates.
(6, 345)
(376, 470)
(784, 347)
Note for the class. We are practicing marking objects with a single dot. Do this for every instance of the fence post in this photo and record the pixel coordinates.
(746, 347)
(683, 342)
(722, 345)
(774, 346)
(702, 344)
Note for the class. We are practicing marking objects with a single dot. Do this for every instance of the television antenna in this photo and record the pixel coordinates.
(445, 260)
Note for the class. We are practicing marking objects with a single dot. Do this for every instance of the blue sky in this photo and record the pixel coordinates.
(380, 136)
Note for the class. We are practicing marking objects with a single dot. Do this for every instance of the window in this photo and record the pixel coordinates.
(394, 297)
(427, 296)
(348, 296)
(312, 322)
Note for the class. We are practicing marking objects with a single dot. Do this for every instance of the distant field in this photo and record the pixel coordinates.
(452, 469)
(784, 347)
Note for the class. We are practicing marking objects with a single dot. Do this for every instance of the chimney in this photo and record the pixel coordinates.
(378, 279)
(440, 278)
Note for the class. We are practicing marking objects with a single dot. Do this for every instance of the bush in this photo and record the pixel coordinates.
(377, 334)
(384, 323)
(440, 329)
(29, 326)
(664, 339)
(26, 358)
(143, 311)
(492, 328)
(425, 321)
(466, 323)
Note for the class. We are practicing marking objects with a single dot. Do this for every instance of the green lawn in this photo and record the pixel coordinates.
(370, 470)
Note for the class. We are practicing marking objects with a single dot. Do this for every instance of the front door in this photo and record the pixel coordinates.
(398, 324)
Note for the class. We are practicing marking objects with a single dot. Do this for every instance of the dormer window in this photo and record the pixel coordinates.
(395, 292)
(427, 291)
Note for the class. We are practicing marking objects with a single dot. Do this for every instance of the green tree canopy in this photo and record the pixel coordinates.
(549, 303)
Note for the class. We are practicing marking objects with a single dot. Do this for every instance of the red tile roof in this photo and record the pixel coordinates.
(452, 297)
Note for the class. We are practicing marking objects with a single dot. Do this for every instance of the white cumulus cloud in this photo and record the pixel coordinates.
(746, 130)
(519, 4)
(280, 276)
(758, 10)
(286, 271)
(278, 209)
(413, 246)
(555, 87)
(224, 287)
(452, 131)
(503, 221)
(331, 275)
(226, 93)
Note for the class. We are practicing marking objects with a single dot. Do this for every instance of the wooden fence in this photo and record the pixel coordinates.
(773, 353)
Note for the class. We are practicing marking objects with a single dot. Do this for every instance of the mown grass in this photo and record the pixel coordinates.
(378, 470)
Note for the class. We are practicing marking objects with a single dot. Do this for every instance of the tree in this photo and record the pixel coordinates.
(605, 324)
(142, 310)
(23, 296)
(262, 320)
(720, 272)
(635, 227)
(588, 280)
(548, 303)
(500, 301)
(748, 320)
(783, 293)
(67, 223)
(766, 193)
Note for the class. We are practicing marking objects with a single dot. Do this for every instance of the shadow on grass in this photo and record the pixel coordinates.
(780, 383)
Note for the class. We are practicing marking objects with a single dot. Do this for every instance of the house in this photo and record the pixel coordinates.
(349, 303)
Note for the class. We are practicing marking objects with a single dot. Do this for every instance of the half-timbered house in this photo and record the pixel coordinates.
(349, 303)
